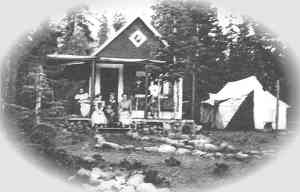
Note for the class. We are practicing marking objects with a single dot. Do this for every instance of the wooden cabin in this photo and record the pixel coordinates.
(124, 64)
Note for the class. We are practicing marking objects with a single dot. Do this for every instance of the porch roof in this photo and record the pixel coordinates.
(70, 58)
(79, 60)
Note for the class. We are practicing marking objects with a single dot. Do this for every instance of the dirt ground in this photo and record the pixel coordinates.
(194, 172)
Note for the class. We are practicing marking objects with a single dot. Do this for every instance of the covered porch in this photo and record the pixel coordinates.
(133, 77)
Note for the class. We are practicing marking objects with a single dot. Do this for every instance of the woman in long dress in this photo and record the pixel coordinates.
(125, 109)
(84, 102)
(98, 117)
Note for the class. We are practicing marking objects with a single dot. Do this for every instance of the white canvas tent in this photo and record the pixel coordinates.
(263, 106)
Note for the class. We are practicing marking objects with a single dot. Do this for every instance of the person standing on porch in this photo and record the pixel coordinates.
(83, 101)
(154, 90)
(125, 109)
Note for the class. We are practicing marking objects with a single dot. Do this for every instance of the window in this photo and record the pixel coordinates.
(137, 38)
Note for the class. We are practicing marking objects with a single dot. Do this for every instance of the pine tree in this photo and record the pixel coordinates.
(118, 21)
(195, 38)
(103, 32)
(24, 63)
(75, 32)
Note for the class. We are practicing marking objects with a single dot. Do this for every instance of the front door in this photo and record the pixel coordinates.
(109, 79)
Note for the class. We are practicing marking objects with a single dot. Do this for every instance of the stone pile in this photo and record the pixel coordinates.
(197, 145)
(100, 180)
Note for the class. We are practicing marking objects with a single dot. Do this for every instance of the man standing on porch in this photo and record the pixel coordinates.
(154, 90)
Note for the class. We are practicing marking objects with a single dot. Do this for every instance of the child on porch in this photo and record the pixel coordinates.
(111, 110)
(110, 115)
(98, 117)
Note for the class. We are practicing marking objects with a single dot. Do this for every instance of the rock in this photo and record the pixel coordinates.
(84, 172)
(146, 187)
(203, 138)
(171, 135)
(145, 138)
(221, 169)
(229, 155)
(209, 155)
(181, 151)
(163, 190)
(136, 180)
(255, 152)
(167, 126)
(223, 145)
(98, 157)
(198, 152)
(112, 145)
(241, 156)
(146, 130)
(166, 149)
(138, 148)
(210, 147)
(135, 135)
(120, 180)
(184, 136)
(89, 159)
(199, 144)
(128, 188)
(268, 152)
(219, 155)
(129, 133)
(226, 147)
(97, 174)
(128, 147)
(198, 128)
(230, 148)
(99, 138)
(89, 188)
(171, 141)
(153, 176)
(151, 149)
(172, 162)
(109, 185)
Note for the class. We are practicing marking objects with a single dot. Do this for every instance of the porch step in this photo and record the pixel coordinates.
(113, 130)
(79, 119)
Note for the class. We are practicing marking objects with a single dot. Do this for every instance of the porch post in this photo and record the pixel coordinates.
(146, 92)
(180, 98)
(121, 82)
(93, 77)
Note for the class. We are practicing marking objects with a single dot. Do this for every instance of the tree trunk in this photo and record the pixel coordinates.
(38, 98)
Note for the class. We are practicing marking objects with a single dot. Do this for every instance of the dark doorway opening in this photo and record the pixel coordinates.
(109, 82)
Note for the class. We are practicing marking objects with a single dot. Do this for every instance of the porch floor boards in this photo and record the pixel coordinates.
(139, 120)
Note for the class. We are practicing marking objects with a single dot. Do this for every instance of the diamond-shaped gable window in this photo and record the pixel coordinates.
(137, 38)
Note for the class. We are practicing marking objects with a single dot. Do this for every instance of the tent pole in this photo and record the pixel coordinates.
(277, 104)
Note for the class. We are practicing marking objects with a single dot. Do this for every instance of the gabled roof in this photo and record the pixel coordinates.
(109, 41)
